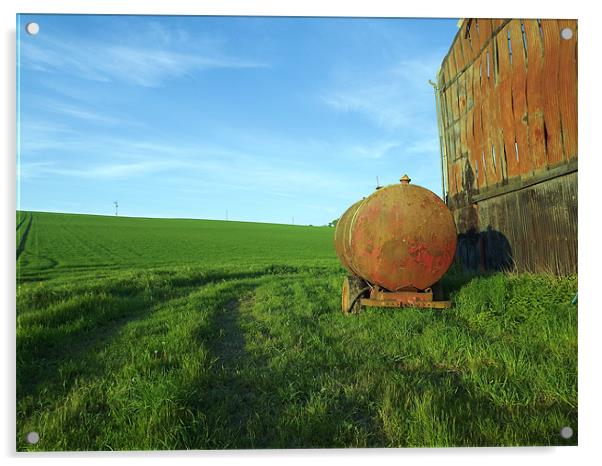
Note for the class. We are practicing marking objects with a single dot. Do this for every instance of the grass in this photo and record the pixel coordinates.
(137, 334)
(65, 244)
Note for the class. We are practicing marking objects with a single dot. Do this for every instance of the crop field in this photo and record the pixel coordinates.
(136, 334)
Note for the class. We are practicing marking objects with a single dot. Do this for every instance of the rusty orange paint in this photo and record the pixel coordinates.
(567, 88)
(551, 105)
(517, 96)
(476, 36)
(401, 236)
(535, 102)
(506, 105)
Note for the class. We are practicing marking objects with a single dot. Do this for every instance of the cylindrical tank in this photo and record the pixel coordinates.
(402, 236)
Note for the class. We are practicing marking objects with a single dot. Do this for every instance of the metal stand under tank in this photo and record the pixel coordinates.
(357, 293)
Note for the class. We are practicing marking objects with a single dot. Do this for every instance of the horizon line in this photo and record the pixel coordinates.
(168, 218)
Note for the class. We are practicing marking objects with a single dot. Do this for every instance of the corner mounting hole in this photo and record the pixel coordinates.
(566, 432)
(32, 437)
(566, 33)
(32, 28)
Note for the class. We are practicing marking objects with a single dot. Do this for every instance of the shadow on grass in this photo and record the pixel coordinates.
(474, 419)
(454, 280)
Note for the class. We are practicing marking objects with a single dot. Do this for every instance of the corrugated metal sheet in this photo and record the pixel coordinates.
(508, 110)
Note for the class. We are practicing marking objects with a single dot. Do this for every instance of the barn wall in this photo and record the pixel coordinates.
(507, 95)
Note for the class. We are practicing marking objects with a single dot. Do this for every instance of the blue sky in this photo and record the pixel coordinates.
(266, 118)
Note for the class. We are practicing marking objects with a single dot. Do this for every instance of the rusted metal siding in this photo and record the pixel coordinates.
(508, 110)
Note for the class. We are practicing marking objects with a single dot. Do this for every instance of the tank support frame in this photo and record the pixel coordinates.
(355, 295)
(404, 298)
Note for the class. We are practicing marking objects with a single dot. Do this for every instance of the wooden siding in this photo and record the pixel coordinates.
(508, 109)
(534, 228)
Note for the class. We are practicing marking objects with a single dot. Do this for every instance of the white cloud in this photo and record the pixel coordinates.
(127, 62)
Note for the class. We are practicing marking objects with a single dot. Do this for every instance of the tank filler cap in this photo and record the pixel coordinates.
(405, 179)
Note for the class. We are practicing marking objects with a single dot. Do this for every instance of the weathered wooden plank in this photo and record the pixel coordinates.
(505, 103)
(457, 185)
(500, 138)
(472, 130)
(470, 122)
(488, 65)
(567, 88)
(470, 144)
(463, 146)
(486, 143)
(445, 69)
(453, 93)
(459, 54)
(549, 90)
(470, 93)
(476, 37)
(522, 241)
(480, 166)
(453, 142)
(467, 42)
(536, 131)
(487, 28)
(461, 89)
(489, 119)
(457, 128)
(519, 96)
(453, 67)
(444, 105)
(496, 132)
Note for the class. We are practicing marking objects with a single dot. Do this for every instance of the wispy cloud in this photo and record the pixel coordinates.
(182, 163)
(131, 63)
(108, 171)
(374, 150)
(82, 112)
(378, 103)
(394, 98)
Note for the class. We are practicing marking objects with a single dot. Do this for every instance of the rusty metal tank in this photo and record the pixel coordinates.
(400, 237)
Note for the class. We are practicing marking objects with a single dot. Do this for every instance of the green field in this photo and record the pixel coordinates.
(137, 334)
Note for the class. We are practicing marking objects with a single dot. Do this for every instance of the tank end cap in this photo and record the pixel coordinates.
(405, 179)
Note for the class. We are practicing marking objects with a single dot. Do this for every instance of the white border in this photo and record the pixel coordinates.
(589, 201)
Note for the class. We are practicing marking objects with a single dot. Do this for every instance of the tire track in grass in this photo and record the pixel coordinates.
(231, 348)
(231, 392)
(22, 221)
(237, 411)
(21, 246)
